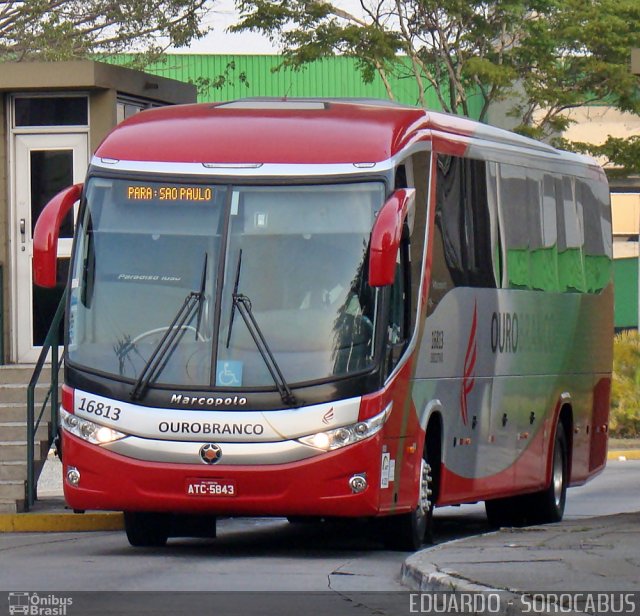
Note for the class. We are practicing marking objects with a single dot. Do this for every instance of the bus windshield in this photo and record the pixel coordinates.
(294, 256)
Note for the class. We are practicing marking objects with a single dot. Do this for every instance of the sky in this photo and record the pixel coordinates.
(224, 15)
(218, 41)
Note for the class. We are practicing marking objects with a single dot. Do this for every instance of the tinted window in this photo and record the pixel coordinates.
(419, 178)
(597, 233)
(51, 111)
(518, 223)
(463, 225)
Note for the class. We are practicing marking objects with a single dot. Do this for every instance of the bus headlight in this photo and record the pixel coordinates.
(87, 430)
(347, 435)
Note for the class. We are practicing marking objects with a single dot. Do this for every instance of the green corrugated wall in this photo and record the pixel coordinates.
(332, 77)
(625, 276)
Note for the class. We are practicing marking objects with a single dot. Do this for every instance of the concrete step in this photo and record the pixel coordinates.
(16, 451)
(17, 431)
(13, 393)
(13, 470)
(14, 380)
(12, 505)
(12, 489)
(13, 373)
(16, 411)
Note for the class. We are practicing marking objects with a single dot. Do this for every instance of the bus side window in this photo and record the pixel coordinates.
(597, 245)
(464, 239)
(399, 303)
(570, 237)
(547, 259)
(414, 172)
(541, 223)
(494, 223)
(515, 219)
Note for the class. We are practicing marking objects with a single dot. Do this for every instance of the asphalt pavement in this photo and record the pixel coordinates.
(600, 555)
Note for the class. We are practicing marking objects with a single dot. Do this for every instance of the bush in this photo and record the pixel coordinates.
(625, 390)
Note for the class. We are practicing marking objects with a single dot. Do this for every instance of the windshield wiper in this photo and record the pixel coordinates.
(171, 337)
(235, 292)
(203, 284)
(243, 304)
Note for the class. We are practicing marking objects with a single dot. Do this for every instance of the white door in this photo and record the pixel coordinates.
(43, 165)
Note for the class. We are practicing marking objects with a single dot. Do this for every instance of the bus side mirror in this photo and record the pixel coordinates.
(386, 236)
(45, 235)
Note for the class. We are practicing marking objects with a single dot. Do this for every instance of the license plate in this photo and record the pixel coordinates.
(210, 487)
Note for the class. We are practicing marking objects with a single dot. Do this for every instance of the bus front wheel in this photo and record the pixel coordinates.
(408, 531)
(146, 530)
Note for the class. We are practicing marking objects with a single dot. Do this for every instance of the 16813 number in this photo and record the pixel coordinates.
(100, 409)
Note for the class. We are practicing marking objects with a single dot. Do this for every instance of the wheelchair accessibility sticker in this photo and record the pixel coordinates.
(229, 373)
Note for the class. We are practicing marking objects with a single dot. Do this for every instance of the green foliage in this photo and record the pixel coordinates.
(547, 55)
(454, 51)
(625, 391)
(576, 53)
(622, 154)
(69, 29)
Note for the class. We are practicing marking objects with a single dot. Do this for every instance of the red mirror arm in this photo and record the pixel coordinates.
(46, 233)
(386, 236)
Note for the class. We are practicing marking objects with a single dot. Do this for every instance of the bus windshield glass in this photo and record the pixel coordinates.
(296, 255)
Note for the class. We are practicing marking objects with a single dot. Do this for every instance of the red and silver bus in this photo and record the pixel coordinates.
(331, 308)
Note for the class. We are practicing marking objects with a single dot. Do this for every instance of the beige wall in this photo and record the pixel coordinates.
(84, 74)
(625, 213)
(635, 61)
(595, 124)
(102, 117)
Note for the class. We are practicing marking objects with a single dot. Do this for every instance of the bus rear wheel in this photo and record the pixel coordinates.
(146, 530)
(506, 511)
(544, 507)
(548, 505)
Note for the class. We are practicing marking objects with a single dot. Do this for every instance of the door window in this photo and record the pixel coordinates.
(51, 111)
(51, 171)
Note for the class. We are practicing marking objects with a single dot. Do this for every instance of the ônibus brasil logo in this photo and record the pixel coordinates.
(38, 604)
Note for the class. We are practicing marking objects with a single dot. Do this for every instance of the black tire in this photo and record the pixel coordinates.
(548, 505)
(544, 507)
(146, 530)
(506, 512)
(409, 531)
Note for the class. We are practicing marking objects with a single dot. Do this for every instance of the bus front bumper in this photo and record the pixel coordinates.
(317, 486)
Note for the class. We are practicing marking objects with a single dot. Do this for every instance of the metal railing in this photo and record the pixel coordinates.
(1, 315)
(51, 344)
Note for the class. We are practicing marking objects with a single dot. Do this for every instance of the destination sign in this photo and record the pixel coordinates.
(166, 192)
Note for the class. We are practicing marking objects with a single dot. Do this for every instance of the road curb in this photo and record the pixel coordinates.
(624, 454)
(424, 577)
(443, 569)
(60, 522)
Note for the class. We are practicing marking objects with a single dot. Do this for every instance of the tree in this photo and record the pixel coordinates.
(547, 56)
(622, 156)
(69, 29)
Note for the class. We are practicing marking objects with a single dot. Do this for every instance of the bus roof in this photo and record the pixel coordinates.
(293, 131)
